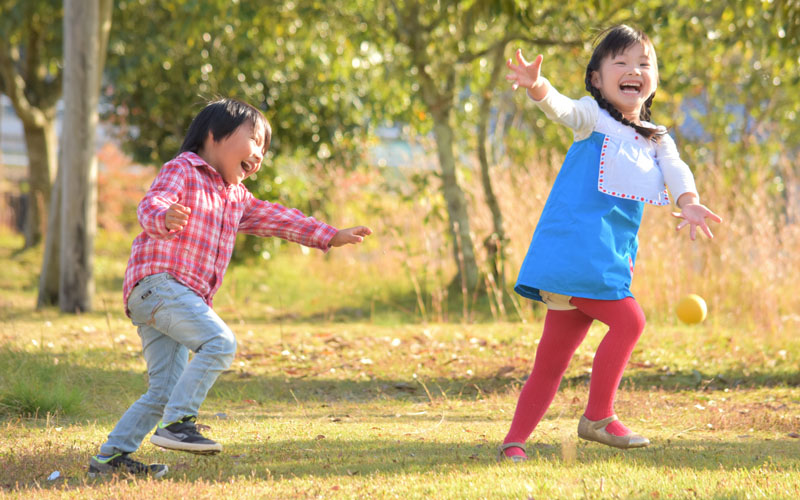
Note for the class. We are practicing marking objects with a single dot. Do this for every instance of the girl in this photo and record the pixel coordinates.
(580, 261)
(190, 217)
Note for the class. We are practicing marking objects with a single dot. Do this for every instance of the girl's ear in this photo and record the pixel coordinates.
(596, 79)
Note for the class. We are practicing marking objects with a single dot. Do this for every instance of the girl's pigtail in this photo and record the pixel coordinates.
(644, 114)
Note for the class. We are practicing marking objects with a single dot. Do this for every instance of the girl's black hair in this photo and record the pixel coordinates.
(222, 117)
(614, 41)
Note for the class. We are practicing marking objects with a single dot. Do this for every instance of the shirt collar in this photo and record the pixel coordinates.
(194, 159)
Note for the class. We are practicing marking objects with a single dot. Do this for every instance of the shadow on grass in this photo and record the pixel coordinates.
(395, 306)
(34, 384)
(286, 459)
(105, 390)
(322, 390)
(688, 380)
(331, 457)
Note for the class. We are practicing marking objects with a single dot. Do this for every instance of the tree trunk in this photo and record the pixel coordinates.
(79, 167)
(496, 241)
(40, 142)
(48, 278)
(463, 249)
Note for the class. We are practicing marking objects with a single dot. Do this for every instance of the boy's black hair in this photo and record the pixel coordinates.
(222, 117)
(614, 41)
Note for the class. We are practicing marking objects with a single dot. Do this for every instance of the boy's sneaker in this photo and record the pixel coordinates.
(122, 463)
(183, 436)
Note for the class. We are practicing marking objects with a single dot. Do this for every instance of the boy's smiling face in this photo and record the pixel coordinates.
(628, 79)
(238, 155)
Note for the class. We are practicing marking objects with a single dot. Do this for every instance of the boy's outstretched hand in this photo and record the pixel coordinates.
(694, 215)
(350, 236)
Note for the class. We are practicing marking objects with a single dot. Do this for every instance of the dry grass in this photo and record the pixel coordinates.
(358, 377)
(364, 411)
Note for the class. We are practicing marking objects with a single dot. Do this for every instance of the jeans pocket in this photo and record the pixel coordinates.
(146, 305)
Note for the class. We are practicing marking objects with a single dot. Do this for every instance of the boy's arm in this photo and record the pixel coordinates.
(350, 236)
(163, 193)
(262, 218)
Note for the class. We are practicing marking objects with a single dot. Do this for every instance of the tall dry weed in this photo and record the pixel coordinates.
(746, 274)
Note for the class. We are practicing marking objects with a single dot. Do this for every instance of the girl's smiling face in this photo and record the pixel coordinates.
(238, 155)
(628, 79)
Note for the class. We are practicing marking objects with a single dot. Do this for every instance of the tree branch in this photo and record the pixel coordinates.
(15, 86)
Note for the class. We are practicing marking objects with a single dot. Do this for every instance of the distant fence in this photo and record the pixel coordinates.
(13, 202)
(13, 210)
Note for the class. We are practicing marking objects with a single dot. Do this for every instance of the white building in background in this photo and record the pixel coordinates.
(13, 154)
(14, 157)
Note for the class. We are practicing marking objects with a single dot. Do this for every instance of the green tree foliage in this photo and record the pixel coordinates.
(733, 76)
(318, 82)
(728, 84)
(432, 50)
(169, 58)
(326, 72)
(30, 75)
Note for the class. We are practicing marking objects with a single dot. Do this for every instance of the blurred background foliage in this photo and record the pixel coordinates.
(370, 99)
(329, 74)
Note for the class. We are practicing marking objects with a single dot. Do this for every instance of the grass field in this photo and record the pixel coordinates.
(338, 392)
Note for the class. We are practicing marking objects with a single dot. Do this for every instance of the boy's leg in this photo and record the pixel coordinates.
(563, 333)
(166, 360)
(181, 314)
(626, 321)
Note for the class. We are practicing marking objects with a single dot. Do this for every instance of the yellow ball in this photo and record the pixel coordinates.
(692, 309)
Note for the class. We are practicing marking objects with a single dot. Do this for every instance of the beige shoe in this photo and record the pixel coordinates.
(516, 458)
(595, 430)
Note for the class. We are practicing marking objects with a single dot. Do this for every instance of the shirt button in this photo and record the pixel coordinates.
(219, 188)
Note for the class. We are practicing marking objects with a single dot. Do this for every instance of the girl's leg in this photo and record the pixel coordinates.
(625, 320)
(166, 360)
(563, 333)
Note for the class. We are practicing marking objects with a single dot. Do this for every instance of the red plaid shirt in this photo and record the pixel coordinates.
(198, 255)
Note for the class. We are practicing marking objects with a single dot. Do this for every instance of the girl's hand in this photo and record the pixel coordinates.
(177, 217)
(694, 215)
(525, 74)
(349, 236)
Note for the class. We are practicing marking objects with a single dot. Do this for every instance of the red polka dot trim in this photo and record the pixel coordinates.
(664, 198)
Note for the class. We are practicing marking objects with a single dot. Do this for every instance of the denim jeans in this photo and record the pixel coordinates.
(172, 320)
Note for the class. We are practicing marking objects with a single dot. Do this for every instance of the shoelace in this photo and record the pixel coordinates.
(131, 464)
(188, 427)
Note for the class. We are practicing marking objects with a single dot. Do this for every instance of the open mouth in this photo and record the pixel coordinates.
(248, 167)
(630, 87)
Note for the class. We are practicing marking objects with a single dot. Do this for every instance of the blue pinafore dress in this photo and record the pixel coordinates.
(585, 242)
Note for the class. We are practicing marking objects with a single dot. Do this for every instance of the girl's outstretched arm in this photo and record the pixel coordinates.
(694, 215)
(526, 75)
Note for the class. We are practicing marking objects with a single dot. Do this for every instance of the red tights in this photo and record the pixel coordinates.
(563, 333)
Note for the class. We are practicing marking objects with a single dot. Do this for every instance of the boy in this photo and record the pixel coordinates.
(190, 217)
